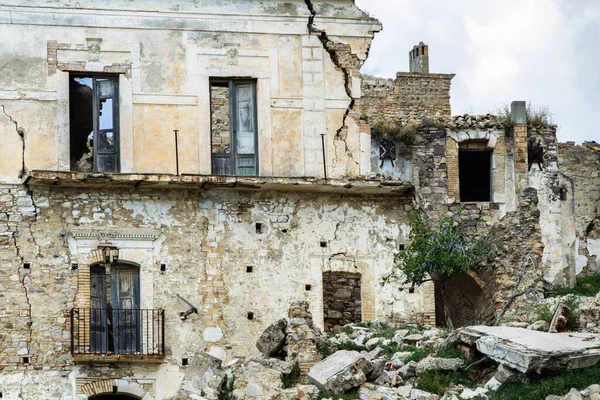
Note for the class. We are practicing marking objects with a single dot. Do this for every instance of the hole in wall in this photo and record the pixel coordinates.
(249, 269)
(250, 315)
(25, 360)
(411, 290)
(308, 287)
(27, 265)
(401, 247)
(115, 389)
(74, 266)
(184, 361)
(259, 227)
(163, 267)
(284, 231)
(323, 243)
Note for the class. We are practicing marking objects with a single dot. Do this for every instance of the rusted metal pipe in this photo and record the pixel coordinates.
(176, 131)
(324, 159)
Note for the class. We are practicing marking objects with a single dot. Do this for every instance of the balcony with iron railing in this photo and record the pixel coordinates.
(108, 334)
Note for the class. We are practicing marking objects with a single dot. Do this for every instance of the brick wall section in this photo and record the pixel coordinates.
(410, 95)
(520, 148)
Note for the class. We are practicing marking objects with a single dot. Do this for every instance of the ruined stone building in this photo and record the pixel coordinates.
(174, 174)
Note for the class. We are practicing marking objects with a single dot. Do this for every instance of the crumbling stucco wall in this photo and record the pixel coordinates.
(306, 85)
(206, 239)
(581, 164)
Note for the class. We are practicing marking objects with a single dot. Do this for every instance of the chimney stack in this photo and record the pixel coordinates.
(419, 59)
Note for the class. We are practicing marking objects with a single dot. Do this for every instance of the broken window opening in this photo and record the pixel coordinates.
(475, 172)
(341, 299)
(94, 123)
(233, 127)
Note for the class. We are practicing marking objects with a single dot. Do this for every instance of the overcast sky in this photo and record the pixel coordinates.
(546, 52)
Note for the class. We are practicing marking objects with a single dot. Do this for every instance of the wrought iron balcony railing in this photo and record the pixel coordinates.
(109, 331)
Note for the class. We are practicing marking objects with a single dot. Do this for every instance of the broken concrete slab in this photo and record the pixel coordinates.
(340, 372)
(527, 350)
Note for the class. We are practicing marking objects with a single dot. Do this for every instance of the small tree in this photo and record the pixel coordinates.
(436, 254)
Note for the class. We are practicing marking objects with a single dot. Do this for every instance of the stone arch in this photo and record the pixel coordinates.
(111, 389)
(469, 301)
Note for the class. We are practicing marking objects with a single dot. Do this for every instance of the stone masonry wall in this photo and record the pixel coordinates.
(581, 163)
(341, 299)
(206, 240)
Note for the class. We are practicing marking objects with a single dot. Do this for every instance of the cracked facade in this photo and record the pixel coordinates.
(210, 260)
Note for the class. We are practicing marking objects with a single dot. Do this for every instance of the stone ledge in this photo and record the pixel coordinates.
(355, 186)
(111, 358)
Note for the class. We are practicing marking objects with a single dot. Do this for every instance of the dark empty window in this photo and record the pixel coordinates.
(475, 170)
(94, 123)
(233, 127)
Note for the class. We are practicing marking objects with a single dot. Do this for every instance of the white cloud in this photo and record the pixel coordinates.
(543, 51)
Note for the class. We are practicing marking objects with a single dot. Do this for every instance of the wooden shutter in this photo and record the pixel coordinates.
(126, 308)
(245, 129)
(98, 310)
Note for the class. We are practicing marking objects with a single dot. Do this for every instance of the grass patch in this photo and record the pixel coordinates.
(450, 352)
(587, 286)
(539, 387)
(390, 349)
(351, 346)
(439, 382)
(573, 321)
(351, 395)
(418, 354)
(293, 378)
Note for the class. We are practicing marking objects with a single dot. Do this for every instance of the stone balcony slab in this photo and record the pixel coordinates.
(351, 186)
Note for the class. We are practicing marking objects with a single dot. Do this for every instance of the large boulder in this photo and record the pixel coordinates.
(272, 340)
(340, 372)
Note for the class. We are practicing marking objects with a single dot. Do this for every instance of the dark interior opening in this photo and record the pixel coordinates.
(113, 396)
(475, 170)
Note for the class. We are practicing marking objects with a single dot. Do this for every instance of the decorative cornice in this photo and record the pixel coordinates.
(133, 234)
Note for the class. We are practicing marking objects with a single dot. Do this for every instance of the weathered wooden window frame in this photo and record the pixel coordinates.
(97, 152)
(233, 156)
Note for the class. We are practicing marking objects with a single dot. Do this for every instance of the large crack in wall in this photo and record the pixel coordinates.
(21, 133)
(335, 51)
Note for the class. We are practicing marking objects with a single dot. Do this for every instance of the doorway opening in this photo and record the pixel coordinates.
(341, 299)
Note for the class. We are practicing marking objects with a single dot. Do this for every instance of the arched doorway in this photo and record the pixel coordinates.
(468, 302)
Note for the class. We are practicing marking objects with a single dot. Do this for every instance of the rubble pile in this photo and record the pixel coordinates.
(389, 362)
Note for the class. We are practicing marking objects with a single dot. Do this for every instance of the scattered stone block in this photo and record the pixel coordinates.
(437, 363)
(272, 340)
(340, 372)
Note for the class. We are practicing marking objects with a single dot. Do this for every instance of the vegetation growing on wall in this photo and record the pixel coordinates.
(436, 253)
(537, 116)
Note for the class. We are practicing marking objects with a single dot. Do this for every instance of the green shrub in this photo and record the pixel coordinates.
(541, 386)
(573, 321)
(587, 286)
(325, 350)
(293, 378)
(543, 312)
(390, 349)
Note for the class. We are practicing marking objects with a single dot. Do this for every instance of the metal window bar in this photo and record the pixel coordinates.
(108, 331)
